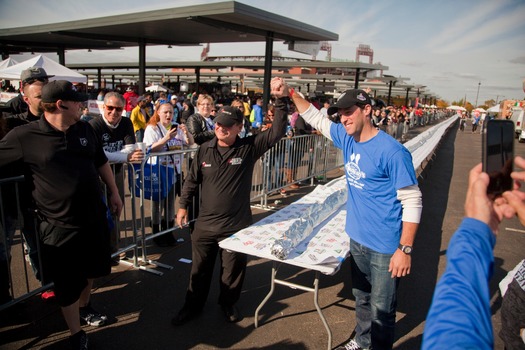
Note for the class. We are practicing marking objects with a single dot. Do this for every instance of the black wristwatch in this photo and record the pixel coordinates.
(405, 249)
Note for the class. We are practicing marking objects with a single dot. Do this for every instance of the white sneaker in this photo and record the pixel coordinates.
(91, 317)
(351, 345)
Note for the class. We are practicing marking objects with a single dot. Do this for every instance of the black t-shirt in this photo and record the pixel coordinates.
(16, 105)
(113, 140)
(12, 121)
(15, 120)
(63, 168)
(226, 177)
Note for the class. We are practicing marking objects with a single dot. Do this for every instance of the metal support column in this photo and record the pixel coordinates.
(406, 97)
(356, 83)
(142, 66)
(268, 56)
(197, 79)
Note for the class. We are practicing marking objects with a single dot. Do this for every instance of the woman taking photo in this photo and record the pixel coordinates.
(161, 135)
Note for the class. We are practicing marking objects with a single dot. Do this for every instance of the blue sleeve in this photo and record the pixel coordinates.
(401, 169)
(258, 116)
(337, 133)
(460, 316)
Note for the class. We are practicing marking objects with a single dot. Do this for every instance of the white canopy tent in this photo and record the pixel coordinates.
(456, 108)
(8, 62)
(156, 88)
(51, 67)
(494, 109)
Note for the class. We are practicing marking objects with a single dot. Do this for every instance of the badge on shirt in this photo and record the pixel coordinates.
(83, 141)
(235, 161)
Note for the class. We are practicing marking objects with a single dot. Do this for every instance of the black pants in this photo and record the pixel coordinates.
(193, 207)
(205, 246)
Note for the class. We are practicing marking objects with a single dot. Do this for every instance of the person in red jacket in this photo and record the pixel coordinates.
(131, 98)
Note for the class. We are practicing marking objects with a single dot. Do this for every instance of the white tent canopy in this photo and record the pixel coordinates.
(8, 62)
(155, 88)
(494, 109)
(456, 108)
(51, 67)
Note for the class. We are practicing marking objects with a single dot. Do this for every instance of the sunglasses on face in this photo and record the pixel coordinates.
(118, 109)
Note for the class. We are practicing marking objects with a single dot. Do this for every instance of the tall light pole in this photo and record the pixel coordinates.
(479, 84)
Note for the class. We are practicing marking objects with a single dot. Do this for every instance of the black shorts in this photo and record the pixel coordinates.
(71, 256)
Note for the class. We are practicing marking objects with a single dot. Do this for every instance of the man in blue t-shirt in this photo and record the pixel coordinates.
(258, 112)
(383, 209)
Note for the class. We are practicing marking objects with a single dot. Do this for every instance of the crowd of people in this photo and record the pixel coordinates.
(64, 153)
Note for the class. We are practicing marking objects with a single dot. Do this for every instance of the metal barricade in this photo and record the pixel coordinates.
(304, 156)
(295, 159)
(159, 210)
(133, 229)
(19, 247)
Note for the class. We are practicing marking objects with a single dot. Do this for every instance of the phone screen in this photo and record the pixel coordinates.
(498, 154)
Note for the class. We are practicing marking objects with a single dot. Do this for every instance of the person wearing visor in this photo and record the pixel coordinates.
(223, 167)
(382, 185)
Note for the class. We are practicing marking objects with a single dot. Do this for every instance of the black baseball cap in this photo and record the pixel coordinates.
(350, 98)
(228, 116)
(61, 90)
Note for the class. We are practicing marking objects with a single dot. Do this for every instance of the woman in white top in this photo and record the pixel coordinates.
(162, 135)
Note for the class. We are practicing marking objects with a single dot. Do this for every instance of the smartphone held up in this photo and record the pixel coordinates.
(498, 155)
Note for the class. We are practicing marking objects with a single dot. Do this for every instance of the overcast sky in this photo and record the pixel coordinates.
(448, 45)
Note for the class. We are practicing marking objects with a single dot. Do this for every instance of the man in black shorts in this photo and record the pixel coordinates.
(65, 161)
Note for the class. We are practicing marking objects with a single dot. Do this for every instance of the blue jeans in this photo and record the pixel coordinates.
(375, 297)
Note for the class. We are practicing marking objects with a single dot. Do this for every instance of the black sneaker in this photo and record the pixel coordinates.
(185, 314)
(79, 341)
(91, 317)
(231, 313)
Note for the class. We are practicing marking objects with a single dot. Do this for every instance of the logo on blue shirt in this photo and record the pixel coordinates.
(353, 171)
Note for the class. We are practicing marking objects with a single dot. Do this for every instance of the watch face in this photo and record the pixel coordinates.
(407, 249)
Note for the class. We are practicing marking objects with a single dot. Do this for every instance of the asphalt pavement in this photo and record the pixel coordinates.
(141, 304)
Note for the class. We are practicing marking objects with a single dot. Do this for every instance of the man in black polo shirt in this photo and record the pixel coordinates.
(223, 167)
(32, 80)
(65, 161)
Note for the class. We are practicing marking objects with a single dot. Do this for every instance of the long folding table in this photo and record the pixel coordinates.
(322, 251)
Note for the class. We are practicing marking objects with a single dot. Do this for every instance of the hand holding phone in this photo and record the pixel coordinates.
(498, 155)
